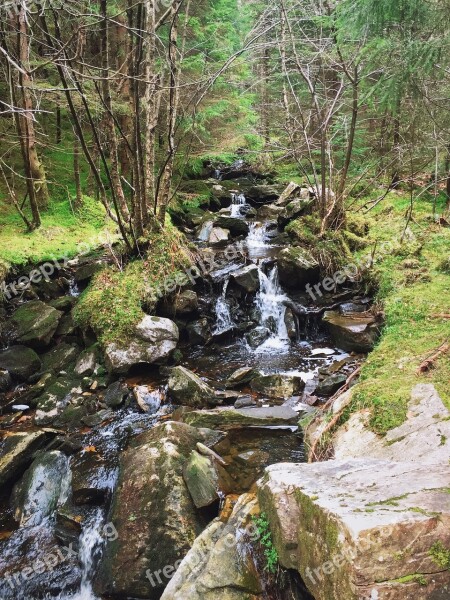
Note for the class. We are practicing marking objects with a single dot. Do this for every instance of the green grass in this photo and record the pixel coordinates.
(113, 303)
(412, 288)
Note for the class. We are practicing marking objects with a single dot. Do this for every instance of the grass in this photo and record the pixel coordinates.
(412, 289)
(113, 303)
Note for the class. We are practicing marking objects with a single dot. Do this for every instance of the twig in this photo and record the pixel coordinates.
(429, 362)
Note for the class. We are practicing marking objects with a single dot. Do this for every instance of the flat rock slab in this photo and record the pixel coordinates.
(362, 529)
(226, 418)
(16, 452)
(424, 437)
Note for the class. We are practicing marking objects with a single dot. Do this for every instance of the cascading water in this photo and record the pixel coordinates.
(224, 320)
(257, 234)
(270, 304)
(237, 202)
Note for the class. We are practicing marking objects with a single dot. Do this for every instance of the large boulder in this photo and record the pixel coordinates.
(60, 357)
(293, 192)
(362, 529)
(34, 324)
(233, 225)
(186, 388)
(185, 302)
(278, 386)
(44, 485)
(16, 453)
(57, 398)
(152, 510)
(295, 208)
(221, 564)
(154, 340)
(352, 333)
(263, 194)
(20, 362)
(297, 267)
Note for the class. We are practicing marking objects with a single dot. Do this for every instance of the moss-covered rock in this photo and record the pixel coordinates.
(34, 324)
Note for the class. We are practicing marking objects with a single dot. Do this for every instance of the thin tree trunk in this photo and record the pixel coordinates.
(58, 126)
(396, 147)
(76, 173)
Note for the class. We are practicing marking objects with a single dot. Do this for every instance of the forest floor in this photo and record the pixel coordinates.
(413, 291)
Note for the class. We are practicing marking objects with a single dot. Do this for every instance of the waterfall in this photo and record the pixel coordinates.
(237, 201)
(217, 174)
(269, 302)
(257, 235)
(224, 321)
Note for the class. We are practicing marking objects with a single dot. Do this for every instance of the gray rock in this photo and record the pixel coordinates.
(64, 304)
(92, 479)
(204, 231)
(185, 302)
(149, 400)
(330, 385)
(289, 320)
(234, 225)
(20, 362)
(43, 486)
(217, 566)
(88, 270)
(201, 479)
(278, 386)
(296, 267)
(226, 418)
(361, 528)
(54, 400)
(199, 331)
(352, 333)
(257, 336)
(16, 453)
(59, 357)
(241, 376)
(296, 208)
(86, 363)
(247, 278)
(218, 236)
(34, 324)
(244, 402)
(154, 340)
(116, 394)
(187, 389)
(262, 194)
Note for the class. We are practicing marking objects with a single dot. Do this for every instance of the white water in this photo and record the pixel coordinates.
(91, 541)
(257, 235)
(224, 320)
(269, 302)
(237, 202)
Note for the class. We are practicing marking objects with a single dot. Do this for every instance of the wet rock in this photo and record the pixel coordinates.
(244, 402)
(218, 566)
(185, 302)
(247, 278)
(330, 519)
(262, 194)
(330, 385)
(43, 486)
(257, 336)
(252, 458)
(38, 562)
(68, 526)
(222, 194)
(293, 210)
(5, 381)
(92, 478)
(30, 395)
(20, 362)
(235, 226)
(152, 510)
(218, 236)
(55, 400)
(149, 400)
(296, 267)
(201, 479)
(97, 418)
(59, 357)
(86, 363)
(225, 418)
(352, 333)
(34, 324)
(278, 386)
(16, 452)
(289, 320)
(199, 331)
(186, 388)
(116, 394)
(241, 376)
(154, 340)
(204, 231)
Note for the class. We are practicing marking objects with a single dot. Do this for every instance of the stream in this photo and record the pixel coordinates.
(57, 502)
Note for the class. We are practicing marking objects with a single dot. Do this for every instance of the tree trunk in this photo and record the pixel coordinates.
(76, 173)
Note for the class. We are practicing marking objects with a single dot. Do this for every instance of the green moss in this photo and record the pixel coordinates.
(113, 303)
(415, 578)
(440, 555)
